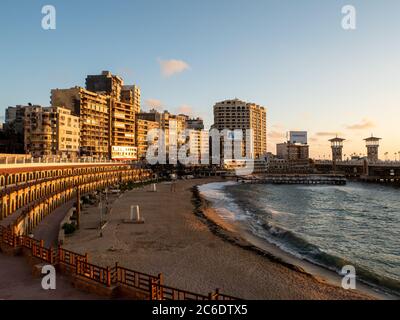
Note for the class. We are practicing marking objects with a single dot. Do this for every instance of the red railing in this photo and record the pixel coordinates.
(70, 258)
(92, 272)
(46, 254)
(8, 237)
(27, 242)
(148, 284)
(162, 292)
(133, 279)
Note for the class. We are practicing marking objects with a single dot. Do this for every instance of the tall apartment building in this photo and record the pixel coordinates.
(174, 127)
(51, 131)
(142, 129)
(131, 94)
(122, 131)
(94, 112)
(105, 83)
(237, 114)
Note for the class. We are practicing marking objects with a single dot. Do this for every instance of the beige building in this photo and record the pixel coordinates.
(131, 94)
(94, 113)
(292, 151)
(122, 133)
(51, 131)
(174, 127)
(105, 83)
(142, 129)
(237, 114)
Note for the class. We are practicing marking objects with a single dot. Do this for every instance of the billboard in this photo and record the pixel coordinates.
(298, 137)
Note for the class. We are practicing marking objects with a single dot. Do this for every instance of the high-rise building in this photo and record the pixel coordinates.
(142, 130)
(94, 113)
(122, 132)
(173, 127)
(105, 83)
(51, 131)
(131, 94)
(237, 114)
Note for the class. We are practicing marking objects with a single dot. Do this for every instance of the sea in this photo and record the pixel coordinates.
(331, 226)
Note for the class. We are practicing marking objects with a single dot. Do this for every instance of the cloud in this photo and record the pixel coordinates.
(185, 109)
(327, 134)
(275, 135)
(364, 124)
(171, 67)
(153, 104)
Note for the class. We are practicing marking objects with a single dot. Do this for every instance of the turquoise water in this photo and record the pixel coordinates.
(333, 226)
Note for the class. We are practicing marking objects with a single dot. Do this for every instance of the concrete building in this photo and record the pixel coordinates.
(142, 129)
(292, 151)
(105, 83)
(122, 132)
(237, 114)
(51, 131)
(198, 146)
(131, 94)
(195, 123)
(94, 112)
(174, 127)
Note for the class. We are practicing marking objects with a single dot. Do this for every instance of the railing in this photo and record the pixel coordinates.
(8, 237)
(134, 279)
(28, 242)
(70, 258)
(92, 272)
(162, 292)
(151, 285)
(43, 253)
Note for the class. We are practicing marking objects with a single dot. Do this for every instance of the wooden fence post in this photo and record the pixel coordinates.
(108, 277)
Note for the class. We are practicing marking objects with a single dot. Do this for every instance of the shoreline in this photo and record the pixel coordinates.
(187, 251)
(243, 238)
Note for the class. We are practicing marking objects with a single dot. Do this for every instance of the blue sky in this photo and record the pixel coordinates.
(291, 56)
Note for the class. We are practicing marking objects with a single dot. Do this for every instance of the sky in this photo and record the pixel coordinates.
(293, 57)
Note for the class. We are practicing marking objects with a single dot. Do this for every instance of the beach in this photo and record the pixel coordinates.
(184, 239)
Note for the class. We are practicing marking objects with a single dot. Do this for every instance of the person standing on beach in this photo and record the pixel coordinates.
(173, 186)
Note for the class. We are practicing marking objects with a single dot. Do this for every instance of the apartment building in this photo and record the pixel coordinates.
(51, 131)
(122, 132)
(236, 114)
(142, 129)
(94, 113)
(174, 126)
(105, 83)
(131, 94)
(195, 123)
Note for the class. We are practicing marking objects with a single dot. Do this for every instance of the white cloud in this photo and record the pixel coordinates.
(171, 67)
(153, 104)
(186, 110)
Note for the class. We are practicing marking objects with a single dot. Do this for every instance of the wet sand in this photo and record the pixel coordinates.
(190, 250)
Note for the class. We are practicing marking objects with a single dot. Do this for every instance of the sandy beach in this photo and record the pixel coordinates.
(180, 242)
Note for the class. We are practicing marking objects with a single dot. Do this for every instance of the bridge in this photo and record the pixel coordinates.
(364, 170)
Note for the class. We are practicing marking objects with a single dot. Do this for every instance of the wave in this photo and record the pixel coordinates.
(229, 208)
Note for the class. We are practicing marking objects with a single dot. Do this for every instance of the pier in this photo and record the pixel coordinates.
(312, 179)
